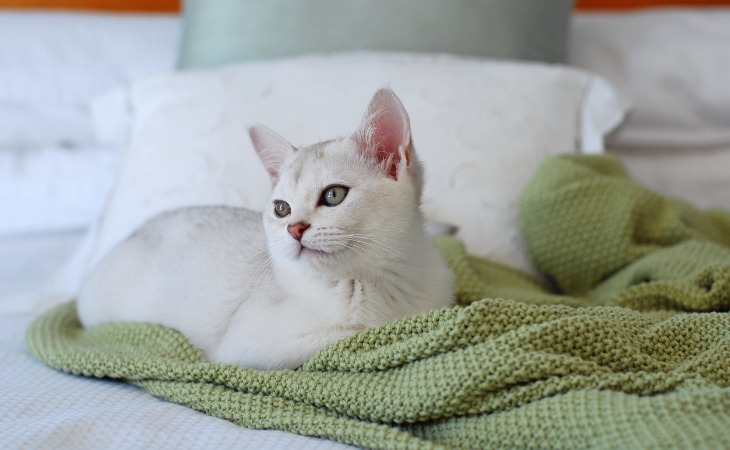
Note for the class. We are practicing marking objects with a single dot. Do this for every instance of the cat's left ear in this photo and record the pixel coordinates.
(385, 133)
(271, 148)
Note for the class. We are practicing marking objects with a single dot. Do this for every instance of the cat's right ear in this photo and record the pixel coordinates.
(385, 133)
(271, 148)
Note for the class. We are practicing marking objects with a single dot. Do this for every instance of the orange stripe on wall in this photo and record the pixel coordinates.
(636, 4)
(152, 6)
(173, 6)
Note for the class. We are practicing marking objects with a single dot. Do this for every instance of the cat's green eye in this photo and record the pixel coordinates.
(333, 195)
(281, 208)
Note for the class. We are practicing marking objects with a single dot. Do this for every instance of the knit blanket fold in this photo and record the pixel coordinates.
(624, 344)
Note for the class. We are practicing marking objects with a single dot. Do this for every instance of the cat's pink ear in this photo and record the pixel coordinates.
(271, 148)
(385, 133)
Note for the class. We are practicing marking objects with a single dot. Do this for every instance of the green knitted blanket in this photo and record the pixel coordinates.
(627, 345)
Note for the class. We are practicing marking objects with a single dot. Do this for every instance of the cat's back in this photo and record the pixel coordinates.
(217, 224)
(219, 234)
(166, 270)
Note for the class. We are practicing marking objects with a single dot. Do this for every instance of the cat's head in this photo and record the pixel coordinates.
(348, 204)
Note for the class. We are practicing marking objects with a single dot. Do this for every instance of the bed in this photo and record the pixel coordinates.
(111, 112)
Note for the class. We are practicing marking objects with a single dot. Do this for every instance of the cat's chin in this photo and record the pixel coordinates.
(313, 256)
(323, 262)
(311, 253)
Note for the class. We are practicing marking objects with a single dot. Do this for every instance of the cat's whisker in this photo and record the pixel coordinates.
(262, 256)
(360, 251)
(268, 274)
(378, 252)
(361, 239)
(263, 271)
(383, 238)
(341, 255)
(372, 246)
(370, 241)
(263, 252)
(376, 240)
(260, 270)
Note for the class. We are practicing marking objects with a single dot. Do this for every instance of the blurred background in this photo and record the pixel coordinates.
(59, 59)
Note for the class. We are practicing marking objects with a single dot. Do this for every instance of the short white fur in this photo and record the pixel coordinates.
(247, 291)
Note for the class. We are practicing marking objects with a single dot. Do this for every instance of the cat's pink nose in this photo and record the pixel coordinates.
(297, 230)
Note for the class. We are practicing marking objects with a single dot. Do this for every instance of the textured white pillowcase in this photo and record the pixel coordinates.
(480, 127)
(673, 63)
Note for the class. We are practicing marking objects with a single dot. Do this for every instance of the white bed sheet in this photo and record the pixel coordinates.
(27, 261)
(699, 176)
(47, 409)
(42, 408)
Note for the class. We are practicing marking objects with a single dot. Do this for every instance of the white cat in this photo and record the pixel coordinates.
(341, 248)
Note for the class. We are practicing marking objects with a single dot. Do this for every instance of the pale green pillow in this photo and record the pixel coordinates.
(224, 31)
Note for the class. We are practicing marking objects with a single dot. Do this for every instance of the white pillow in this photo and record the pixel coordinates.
(53, 64)
(480, 128)
(673, 63)
(53, 188)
